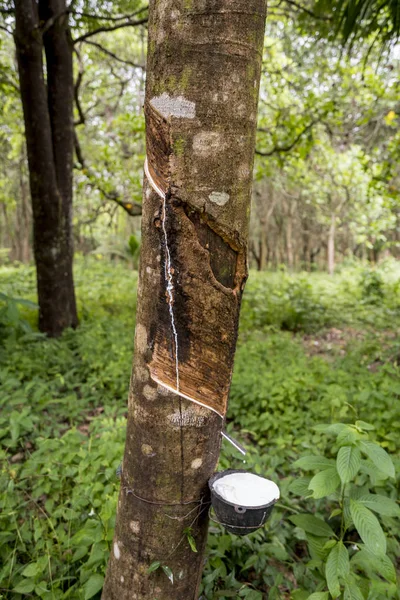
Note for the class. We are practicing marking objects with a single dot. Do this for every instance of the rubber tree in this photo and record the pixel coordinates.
(203, 71)
(42, 27)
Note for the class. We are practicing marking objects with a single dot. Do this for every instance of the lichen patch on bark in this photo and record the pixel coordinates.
(169, 106)
(141, 337)
(150, 393)
(117, 552)
(220, 198)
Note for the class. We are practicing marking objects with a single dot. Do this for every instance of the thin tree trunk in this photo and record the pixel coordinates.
(203, 74)
(331, 245)
(265, 221)
(48, 130)
(25, 215)
(289, 234)
(263, 245)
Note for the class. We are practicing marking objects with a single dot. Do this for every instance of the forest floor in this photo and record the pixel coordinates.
(312, 349)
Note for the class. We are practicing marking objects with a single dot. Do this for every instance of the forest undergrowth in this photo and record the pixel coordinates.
(314, 399)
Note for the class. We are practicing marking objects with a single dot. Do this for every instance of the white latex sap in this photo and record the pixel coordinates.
(246, 489)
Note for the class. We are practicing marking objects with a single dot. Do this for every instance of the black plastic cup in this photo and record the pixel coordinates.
(240, 520)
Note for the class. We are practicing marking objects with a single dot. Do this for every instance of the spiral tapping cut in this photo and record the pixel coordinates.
(170, 293)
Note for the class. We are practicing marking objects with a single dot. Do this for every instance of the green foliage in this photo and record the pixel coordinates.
(363, 467)
(12, 322)
(354, 20)
(58, 512)
(372, 286)
(62, 429)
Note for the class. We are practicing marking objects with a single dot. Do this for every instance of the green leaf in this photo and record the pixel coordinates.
(352, 592)
(368, 528)
(324, 483)
(192, 542)
(299, 486)
(331, 572)
(253, 595)
(375, 564)
(190, 538)
(384, 566)
(343, 561)
(316, 546)
(319, 596)
(93, 585)
(334, 428)
(168, 573)
(348, 463)
(80, 553)
(380, 504)
(378, 456)
(27, 303)
(348, 436)
(313, 525)
(365, 426)
(25, 587)
(154, 566)
(309, 463)
(31, 570)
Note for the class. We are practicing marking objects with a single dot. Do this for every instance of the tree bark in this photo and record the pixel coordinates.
(49, 140)
(289, 233)
(331, 245)
(204, 62)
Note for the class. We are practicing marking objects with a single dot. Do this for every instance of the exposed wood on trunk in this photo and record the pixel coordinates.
(201, 98)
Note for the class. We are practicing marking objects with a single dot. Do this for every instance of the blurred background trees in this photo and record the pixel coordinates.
(326, 177)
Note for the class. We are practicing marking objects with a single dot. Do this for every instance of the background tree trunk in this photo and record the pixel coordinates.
(331, 245)
(203, 73)
(49, 138)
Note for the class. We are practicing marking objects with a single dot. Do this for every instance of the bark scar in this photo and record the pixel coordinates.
(204, 270)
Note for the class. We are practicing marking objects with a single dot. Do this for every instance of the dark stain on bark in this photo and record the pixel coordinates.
(179, 304)
(158, 145)
(223, 258)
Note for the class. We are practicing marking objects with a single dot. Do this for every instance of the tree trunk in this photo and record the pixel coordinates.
(203, 71)
(265, 221)
(263, 245)
(289, 234)
(49, 138)
(331, 245)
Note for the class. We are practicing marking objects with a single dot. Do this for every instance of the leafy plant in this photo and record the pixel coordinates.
(11, 320)
(62, 428)
(349, 547)
(372, 286)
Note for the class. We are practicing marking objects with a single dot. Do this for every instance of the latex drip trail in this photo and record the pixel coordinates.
(167, 268)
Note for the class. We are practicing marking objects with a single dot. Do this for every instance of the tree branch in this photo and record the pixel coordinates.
(105, 18)
(4, 80)
(105, 29)
(306, 10)
(3, 28)
(278, 149)
(77, 86)
(134, 209)
(50, 22)
(114, 56)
